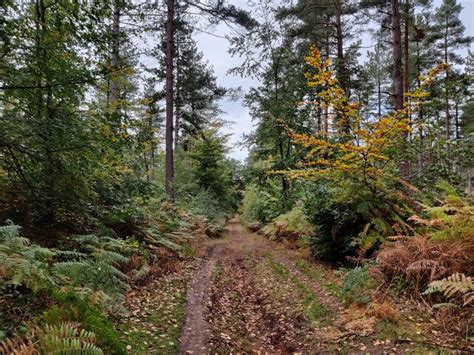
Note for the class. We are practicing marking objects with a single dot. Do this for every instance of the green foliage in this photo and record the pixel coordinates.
(204, 203)
(65, 338)
(99, 270)
(22, 263)
(358, 285)
(92, 268)
(455, 285)
(351, 221)
(449, 220)
(260, 204)
(291, 225)
(72, 306)
(207, 180)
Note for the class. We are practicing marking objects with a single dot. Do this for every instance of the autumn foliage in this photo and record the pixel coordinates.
(366, 150)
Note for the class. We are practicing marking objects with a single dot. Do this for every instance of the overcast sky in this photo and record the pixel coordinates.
(215, 51)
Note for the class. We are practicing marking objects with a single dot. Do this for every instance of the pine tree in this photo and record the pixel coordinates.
(450, 38)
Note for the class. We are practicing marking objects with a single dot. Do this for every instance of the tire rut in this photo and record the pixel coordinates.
(195, 331)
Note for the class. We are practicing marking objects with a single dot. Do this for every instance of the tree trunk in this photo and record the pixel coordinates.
(169, 159)
(379, 85)
(397, 75)
(326, 110)
(340, 47)
(456, 118)
(421, 154)
(178, 97)
(114, 61)
(446, 93)
(397, 55)
(406, 49)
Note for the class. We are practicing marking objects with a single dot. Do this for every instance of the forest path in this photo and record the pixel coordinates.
(253, 295)
(197, 330)
(243, 299)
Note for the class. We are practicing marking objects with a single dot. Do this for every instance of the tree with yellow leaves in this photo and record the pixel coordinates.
(361, 150)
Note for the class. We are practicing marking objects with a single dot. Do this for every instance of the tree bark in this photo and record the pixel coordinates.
(446, 92)
(169, 152)
(397, 55)
(114, 60)
(326, 110)
(379, 84)
(406, 51)
(340, 46)
(421, 154)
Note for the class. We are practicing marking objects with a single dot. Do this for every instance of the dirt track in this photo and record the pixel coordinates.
(252, 295)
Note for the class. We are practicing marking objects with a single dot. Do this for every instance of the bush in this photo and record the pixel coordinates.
(260, 204)
(23, 263)
(204, 203)
(291, 225)
(358, 285)
(350, 221)
(338, 223)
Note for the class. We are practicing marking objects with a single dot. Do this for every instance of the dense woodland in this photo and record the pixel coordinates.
(115, 173)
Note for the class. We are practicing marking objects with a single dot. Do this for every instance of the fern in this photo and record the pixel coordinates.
(454, 285)
(153, 236)
(92, 275)
(293, 224)
(18, 346)
(73, 306)
(23, 263)
(66, 338)
(96, 267)
(141, 273)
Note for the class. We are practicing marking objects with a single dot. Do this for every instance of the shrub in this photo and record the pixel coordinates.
(348, 221)
(260, 204)
(291, 225)
(204, 203)
(73, 307)
(358, 285)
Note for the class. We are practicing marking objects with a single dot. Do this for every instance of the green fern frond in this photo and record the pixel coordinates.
(71, 254)
(9, 230)
(456, 284)
(109, 256)
(156, 238)
(94, 275)
(141, 273)
(66, 338)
